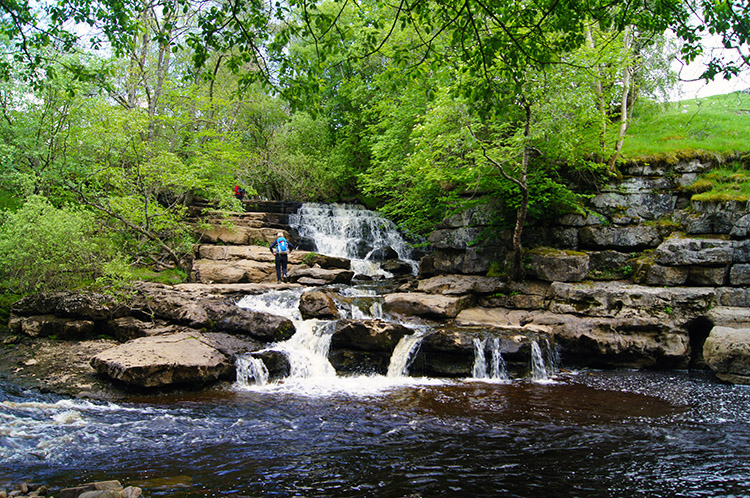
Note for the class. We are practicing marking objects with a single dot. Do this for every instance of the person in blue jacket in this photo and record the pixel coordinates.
(281, 249)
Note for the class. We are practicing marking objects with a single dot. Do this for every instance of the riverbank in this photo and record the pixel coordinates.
(102, 489)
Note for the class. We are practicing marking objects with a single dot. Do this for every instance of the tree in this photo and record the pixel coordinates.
(503, 49)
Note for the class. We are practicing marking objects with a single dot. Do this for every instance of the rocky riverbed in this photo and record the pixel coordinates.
(100, 489)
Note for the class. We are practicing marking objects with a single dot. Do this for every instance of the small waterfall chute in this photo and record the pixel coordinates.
(538, 367)
(307, 350)
(480, 362)
(251, 371)
(404, 353)
(497, 368)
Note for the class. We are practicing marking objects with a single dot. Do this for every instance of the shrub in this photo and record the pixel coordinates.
(46, 248)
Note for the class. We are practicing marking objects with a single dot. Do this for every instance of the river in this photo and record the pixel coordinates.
(587, 433)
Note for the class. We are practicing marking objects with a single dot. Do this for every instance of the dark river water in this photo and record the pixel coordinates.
(588, 433)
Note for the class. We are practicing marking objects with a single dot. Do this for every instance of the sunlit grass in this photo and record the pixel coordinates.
(712, 125)
(730, 183)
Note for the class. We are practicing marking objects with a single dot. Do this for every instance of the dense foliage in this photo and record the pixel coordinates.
(130, 110)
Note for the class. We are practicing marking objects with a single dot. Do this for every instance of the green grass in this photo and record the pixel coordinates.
(169, 277)
(727, 183)
(712, 125)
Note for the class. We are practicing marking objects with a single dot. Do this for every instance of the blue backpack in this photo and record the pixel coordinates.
(281, 245)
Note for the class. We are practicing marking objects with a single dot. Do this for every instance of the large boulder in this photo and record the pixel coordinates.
(619, 299)
(428, 305)
(445, 353)
(232, 271)
(180, 358)
(555, 265)
(264, 327)
(368, 335)
(320, 276)
(629, 238)
(364, 346)
(317, 304)
(727, 353)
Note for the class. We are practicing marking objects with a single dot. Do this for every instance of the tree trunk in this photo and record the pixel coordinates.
(601, 104)
(162, 68)
(624, 103)
(517, 272)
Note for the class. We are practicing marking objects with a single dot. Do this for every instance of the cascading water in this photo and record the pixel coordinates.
(497, 369)
(351, 232)
(421, 441)
(538, 368)
(404, 352)
(480, 362)
(251, 370)
(307, 350)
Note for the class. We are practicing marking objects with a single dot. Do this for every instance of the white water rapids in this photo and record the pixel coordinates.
(307, 351)
(351, 232)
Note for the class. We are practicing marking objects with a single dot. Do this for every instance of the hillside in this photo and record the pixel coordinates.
(715, 124)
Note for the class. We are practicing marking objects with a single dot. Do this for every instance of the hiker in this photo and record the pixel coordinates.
(239, 192)
(281, 248)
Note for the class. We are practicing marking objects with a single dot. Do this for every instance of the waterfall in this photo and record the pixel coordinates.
(351, 232)
(307, 350)
(553, 357)
(361, 304)
(480, 364)
(498, 369)
(404, 352)
(251, 370)
(538, 369)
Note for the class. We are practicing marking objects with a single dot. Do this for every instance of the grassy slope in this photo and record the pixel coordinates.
(719, 124)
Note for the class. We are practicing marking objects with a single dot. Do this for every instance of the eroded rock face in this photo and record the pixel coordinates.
(460, 285)
(680, 251)
(181, 358)
(51, 326)
(620, 238)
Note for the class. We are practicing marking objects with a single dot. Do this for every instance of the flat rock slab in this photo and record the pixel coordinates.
(157, 361)
(499, 318)
(460, 284)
